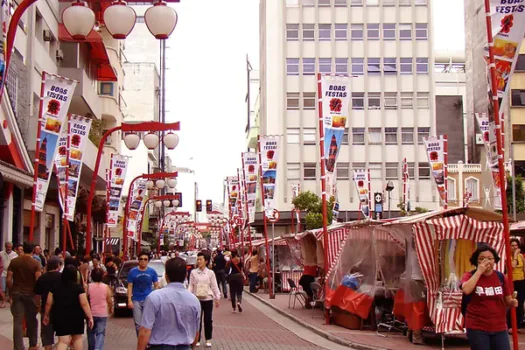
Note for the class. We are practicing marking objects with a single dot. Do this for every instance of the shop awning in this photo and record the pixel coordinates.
(98, 53)
(16, 176)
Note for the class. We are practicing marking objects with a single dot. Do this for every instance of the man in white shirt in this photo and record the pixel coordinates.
(6, 255)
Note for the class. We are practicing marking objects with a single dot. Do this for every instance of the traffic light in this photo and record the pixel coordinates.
(209, 206)
(198, 205)
(178, 196)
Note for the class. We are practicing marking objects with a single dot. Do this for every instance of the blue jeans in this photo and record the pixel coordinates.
(138, 306)
(97, 334)
(253, 281)
(481, 340)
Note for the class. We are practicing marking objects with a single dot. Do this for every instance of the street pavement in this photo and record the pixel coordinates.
(256, 328)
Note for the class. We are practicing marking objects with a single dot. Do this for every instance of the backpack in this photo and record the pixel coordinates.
(465, 299)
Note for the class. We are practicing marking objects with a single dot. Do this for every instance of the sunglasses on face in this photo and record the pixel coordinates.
(143, 259)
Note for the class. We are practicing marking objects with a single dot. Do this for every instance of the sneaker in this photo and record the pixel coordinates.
(234, 311)
(208, 344)
(198, 344)
(239, 307)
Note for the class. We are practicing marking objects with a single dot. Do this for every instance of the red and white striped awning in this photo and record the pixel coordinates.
(452, 227)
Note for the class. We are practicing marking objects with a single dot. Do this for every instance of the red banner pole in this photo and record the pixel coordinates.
(240, 202)
(246, 209)
(267, 247)
(323, 184)
(501, 167)
(404, 185)
(445, 156)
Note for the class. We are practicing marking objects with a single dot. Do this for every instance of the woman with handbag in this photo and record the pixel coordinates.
(203, 284)
(236, 280)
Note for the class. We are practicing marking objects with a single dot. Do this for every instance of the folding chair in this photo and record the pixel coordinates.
(318, 291)
(296, 294)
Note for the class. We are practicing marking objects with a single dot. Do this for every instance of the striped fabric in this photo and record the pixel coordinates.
(295, 276)
(336, 242)
(452, 227)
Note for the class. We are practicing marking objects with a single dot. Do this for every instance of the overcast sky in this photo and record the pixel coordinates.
(207, 83)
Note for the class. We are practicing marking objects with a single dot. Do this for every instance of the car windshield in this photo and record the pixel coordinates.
(192, 260)
(157, 265)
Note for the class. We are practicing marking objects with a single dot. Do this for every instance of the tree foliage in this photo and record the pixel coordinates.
(418, 210)
(520, 195)
(312, 204)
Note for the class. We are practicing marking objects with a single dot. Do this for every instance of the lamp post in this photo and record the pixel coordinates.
(180, 218)
(389, 188)
(132, 140)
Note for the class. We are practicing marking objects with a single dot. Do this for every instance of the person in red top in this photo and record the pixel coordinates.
(486, 315)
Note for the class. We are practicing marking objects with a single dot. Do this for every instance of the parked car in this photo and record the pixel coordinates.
(120, 294)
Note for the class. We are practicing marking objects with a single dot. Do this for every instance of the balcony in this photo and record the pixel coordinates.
(110, 109)
(85, 100)
(89, 165)
(251, 136)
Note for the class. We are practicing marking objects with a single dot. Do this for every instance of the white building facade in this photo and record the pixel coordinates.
(386, 46)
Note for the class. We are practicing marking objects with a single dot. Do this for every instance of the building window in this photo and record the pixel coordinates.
(343, 171)
(407, 136)
(391, 171)
(324, 3)
(358, 166)
(372, 31)
(292, 66)
(389, 3)
(389, 65)
(407, 100)
(422, 65)
(390, 100)
(374, 100)
(292, 101)
(325, 32)
(372, 2)
(518, 133)
(411, 170)
(106, 89)
(389, 31)
(308, 3)
(341, 31)
(404, 2)
(374, 66)
(472, 185)
(358, 100)
(292, 3)
(292, 32)
(310, 171)
(293, 171)
(344, 140)
(405, 31)
(391, 136)
(451, 189)
(422, 133)
(424, 171)
(358, 136)
(292, 135)
(356, 3)
(374, 136)
(341, 65)
(325, 65)
(340, 3)
(309, 101)
(308, 66)
(517, 98)
(309, 136)
(358, 66)
(375, 170)
(420, 2)
(421, 31)
(356, 31)
(308, 32)
(422, 100)
(520, 65)
(406, 65)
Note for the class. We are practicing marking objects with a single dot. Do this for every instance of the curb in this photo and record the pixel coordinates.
(322, 333)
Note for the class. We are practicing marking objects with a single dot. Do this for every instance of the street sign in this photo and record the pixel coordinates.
(275, 216)
(378, 204)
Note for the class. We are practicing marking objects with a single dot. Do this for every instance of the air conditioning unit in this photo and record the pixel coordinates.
(47, 35)
(59, 55)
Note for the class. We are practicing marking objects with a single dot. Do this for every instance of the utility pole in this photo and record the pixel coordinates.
(247, 100)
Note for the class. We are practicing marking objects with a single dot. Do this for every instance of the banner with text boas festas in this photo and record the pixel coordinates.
(56, 99)
(251, 165)
(269, 148)
(508, 29)
(233, 193)
(435, 148)
(138, 197)
(361, 184)
(4, 20)
(118, 168)
(335, 100)
(79, 128)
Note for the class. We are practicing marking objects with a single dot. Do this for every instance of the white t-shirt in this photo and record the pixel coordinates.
(6, 260)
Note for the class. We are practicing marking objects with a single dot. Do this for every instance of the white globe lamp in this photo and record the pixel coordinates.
(175, 202)
(158, 204)
(78, 20)
(150, 185)
(151, 140)
(160, 183)
(119, 19)
(171, 140)
(166, 203)
(132, 140)
(161, 20)
(172, 183)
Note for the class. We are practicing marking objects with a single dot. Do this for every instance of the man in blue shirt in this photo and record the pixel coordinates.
(171, 316)
(141, 280)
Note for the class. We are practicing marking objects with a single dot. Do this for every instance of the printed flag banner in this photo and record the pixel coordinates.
(56, 99)
(233, 193)
(435, 148)
(79, 128)
(296, 190)
(138, 197)
(4, 20)
(491, 169)
(118, 168)
(361, 184)
(406, 186)
(269, 148)
(508, 29)
(251, 165)
(335, 100)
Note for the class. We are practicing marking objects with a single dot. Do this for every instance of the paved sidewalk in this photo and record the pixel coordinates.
(357, 338)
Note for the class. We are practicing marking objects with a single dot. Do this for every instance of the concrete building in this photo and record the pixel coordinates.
(517, 114)
(387, 47)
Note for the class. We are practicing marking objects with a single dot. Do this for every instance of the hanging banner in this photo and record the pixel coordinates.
(138, 197)
(406, 186)
(233, 193)
(334, 108)
(435, 148)
(250, 163)
(4, 20)
(56, 99)
(79, 128)
(118, 168)
(361, 184)
(508, 29)
(269, 148)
